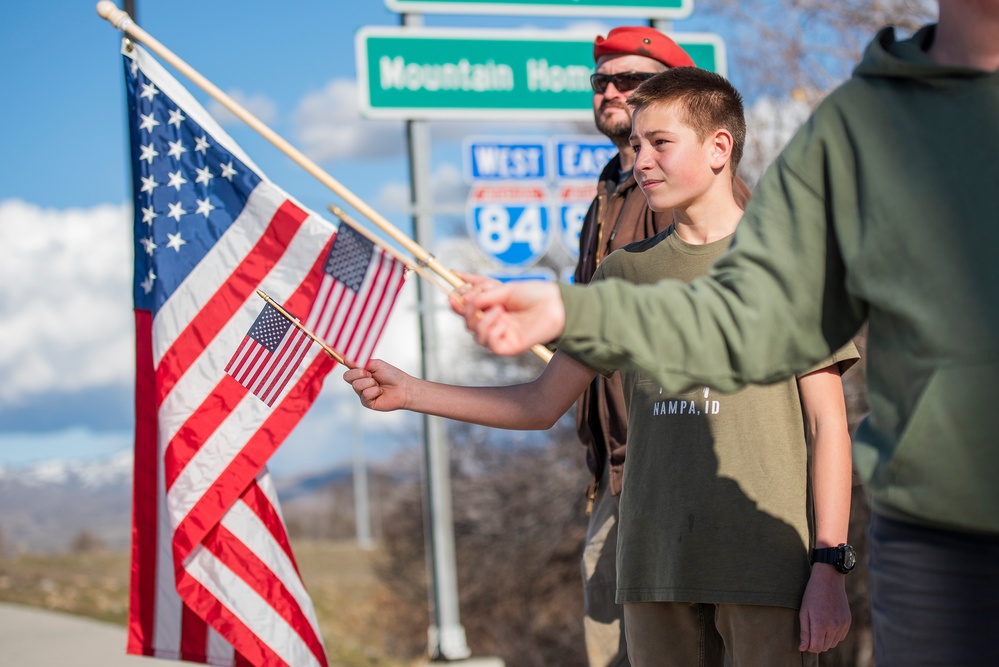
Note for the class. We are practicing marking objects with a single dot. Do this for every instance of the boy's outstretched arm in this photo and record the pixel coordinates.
(534, 405)
(825, 610)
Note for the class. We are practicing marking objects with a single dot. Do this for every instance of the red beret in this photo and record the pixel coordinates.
(641, 41)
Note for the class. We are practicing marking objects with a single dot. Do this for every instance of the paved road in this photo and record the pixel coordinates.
(32, 637)
(35, 638)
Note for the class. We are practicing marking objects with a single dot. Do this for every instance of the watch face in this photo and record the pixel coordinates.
(848, 558)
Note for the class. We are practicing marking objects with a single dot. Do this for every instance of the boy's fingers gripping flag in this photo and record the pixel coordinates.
(213, 577)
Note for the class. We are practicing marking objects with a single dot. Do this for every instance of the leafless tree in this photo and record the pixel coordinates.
(519, 527)
(807, 45)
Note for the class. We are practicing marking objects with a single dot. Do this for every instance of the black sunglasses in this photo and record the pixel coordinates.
(623, 81)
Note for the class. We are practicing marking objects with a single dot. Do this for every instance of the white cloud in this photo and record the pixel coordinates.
(448, 188)
(589, 27)
(261, 106)
(328, 126)
(65, 299)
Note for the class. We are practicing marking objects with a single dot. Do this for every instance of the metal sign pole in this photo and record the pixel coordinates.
(362, 515)
(446, 636)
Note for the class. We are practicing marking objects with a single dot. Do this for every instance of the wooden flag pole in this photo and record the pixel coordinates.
(123, 22)
(301, 327)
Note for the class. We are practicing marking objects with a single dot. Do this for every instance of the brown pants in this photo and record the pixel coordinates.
(682, 634)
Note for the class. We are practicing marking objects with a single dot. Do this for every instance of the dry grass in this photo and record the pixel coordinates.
(347, 595)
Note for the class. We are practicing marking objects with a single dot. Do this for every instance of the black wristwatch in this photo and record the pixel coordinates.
(844, 557)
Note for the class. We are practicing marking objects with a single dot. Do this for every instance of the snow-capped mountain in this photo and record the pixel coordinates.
(116, 470)
(47, 506)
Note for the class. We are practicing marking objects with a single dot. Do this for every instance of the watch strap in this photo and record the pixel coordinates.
(830, 555)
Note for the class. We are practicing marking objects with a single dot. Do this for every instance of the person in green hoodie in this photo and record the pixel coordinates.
(883, 208)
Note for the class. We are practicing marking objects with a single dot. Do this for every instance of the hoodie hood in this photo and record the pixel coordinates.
(889, 57)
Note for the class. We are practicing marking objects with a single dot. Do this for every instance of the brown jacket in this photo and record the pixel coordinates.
(619, 215)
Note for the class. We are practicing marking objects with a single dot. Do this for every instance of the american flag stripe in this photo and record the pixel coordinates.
(193, 435)
(251, 557)
(194, 636)
(246, 354)
(346, 335)
(376, 315)
(260, 541)
(245, 564)
(196, 496)
(295, 349)
(265, 508)
(231, 625)
(208, 580)
(270, 554)
(145, 479)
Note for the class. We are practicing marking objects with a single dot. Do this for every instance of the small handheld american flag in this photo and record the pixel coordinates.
(268, 355)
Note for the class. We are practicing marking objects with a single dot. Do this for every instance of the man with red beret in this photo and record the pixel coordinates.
(619, 215)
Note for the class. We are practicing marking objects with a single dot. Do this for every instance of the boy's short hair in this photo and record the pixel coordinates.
(706, 100)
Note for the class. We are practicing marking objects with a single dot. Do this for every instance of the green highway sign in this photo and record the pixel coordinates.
(468, 74)
(655, 9)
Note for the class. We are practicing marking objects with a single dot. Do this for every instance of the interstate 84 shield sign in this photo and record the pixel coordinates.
(509, 223)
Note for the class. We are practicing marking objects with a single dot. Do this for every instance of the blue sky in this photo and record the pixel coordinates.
(65, 251)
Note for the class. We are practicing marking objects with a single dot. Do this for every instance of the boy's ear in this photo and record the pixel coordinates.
(720, 145)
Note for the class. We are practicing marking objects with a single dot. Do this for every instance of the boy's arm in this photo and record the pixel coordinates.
(534, 405)
(825, 611)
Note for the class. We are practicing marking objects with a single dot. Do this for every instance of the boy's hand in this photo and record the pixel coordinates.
(509, 319)
(825, 611)
(381, 386)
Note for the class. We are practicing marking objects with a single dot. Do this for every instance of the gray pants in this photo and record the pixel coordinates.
(934, 596)
(603, 619)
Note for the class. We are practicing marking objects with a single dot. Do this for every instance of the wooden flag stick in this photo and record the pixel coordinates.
(301, 327)
(123, 22)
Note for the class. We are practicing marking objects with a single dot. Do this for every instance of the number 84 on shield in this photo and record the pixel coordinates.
(513, 234)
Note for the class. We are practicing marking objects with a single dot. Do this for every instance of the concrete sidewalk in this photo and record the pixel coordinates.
(32, 637)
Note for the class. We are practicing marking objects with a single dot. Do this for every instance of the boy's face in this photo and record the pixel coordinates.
(672, 165)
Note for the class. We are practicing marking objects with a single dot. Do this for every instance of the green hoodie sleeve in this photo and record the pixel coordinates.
(775, 304)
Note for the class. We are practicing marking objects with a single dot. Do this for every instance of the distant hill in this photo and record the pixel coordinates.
(45, 507)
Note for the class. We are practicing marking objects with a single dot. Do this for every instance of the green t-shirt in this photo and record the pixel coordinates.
(714, 507)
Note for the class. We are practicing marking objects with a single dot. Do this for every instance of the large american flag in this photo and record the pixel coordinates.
(213, 576)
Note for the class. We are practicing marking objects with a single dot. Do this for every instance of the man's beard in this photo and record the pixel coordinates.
(615, 130)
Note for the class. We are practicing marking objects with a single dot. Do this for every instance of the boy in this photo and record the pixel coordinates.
(713, 559)
(881, 209)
